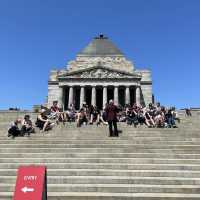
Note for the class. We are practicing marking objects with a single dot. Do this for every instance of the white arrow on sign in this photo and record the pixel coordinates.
(26, 189)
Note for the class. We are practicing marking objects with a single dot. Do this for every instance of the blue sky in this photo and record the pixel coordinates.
(40, 35)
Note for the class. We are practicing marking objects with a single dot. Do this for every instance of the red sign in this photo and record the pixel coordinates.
(31, 183)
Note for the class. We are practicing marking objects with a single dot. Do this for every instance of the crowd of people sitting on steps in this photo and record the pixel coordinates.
(136, 115)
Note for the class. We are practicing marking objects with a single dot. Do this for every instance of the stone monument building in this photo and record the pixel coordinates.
(100, 72)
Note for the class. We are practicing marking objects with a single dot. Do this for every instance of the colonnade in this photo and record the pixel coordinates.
(71, 95)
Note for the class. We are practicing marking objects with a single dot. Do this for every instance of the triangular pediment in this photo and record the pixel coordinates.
(99, 72)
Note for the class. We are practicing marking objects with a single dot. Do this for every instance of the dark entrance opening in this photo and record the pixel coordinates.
(110, 93)
(122, 96)
(99, 97)
(66, 98)
(132, 95)
(88, 95)
(77, 98)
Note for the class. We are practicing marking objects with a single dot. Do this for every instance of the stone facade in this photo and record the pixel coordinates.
(99, 73)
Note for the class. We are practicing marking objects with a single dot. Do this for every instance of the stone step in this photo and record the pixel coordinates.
(89, 133)
(127, 129)
(147, 149)
(131, 139)
(136, 140)
(124, 132)
(100, 155)
(114, 188)
(117, 166)
(111, 180)
(102, 160)
(130, 130)
(62, 144)
(6, 124)
(80, 139)
(113, 172)
(159, 145)
(186, 126)
(111, 196)
(100, 150)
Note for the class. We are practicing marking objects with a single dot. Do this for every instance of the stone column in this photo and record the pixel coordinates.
(104, 95)
(137, 95)
(127, 95)
(93, 102)
(60, 97)
(82, 96)
(116, 97)
(71, 96)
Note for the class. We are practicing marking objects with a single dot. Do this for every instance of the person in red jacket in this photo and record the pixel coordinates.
(111, 113)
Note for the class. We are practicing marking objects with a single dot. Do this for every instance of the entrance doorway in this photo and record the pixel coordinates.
(122, 96)
(110, 93)
(77, 98)
(88, 95)
(132, 95)
(99, 97)
(66, 98)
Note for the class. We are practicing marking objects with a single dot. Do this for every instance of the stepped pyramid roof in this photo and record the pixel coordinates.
(101, 46)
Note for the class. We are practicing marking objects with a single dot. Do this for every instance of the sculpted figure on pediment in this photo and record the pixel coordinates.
(102, 73)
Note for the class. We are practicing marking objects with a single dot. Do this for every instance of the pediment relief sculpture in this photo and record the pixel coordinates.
(98, 73)
(101, 73)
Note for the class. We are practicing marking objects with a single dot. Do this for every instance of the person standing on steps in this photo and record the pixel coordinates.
(111, 113)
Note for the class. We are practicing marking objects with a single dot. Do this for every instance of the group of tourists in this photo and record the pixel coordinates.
(151, 116)
(136, 115)
(26, 127)
(45, 121)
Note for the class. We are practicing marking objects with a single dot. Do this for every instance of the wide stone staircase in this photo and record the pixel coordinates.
(85, 164)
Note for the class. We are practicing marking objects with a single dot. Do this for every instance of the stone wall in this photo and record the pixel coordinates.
(9, 116)
(146, 86)
(117, 62)
(53, 94)
(146, 94)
